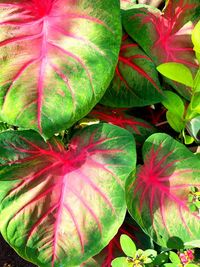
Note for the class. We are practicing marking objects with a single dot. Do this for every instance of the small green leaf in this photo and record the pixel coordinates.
(174, 257)
(197, 82)
(192, 207)
(120, 262)
(175, 121)
(176, 72)
(150, 254)
(128, 246)
(195, 102)
(161, 258)
(190, 197)
(196, 37)
(173, 103)
(187, 139)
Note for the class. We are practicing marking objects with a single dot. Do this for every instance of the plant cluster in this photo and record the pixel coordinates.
(100, 115)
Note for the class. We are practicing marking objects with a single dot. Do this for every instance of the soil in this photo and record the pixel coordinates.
(9, 258)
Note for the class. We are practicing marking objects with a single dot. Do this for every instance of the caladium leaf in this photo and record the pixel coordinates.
(157, 195)
(166, 37)
(136, 79)
(138, 127)
(52, 52)
(61, 206)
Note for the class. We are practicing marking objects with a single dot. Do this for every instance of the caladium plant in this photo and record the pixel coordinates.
(80, 94)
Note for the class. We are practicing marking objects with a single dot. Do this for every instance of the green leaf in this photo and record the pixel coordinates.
(173, 103)
(150, 255)
(161, 258)
(187, 138)
(128, 246)
(176, 109)
(176, 72)
(192, 207)
(196, 37)
(195, 102)
(120, 262)
(174, 258)
(197, 82)
(175, 121)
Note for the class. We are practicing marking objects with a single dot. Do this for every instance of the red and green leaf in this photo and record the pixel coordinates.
(49, 50)
(136, 80)
(157, 195)
(166, 37)
(63, 205)
(138, 127)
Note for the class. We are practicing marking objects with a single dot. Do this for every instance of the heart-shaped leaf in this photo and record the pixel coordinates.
(158, 198)
(136, 80)
(165, 37)
(62, 206)
(57, 60)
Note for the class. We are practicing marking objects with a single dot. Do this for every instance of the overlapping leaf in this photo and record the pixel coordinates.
(138, 127)
(136, 79)
(164, 37)
(158, 199)
(57, 59)
(61, 206)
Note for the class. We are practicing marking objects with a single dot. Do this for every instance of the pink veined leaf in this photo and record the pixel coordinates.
(136, 80)
(138, 127)
(170, 34)
(166, 36)
(159, 195)
(55, 201)
(46, 56)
